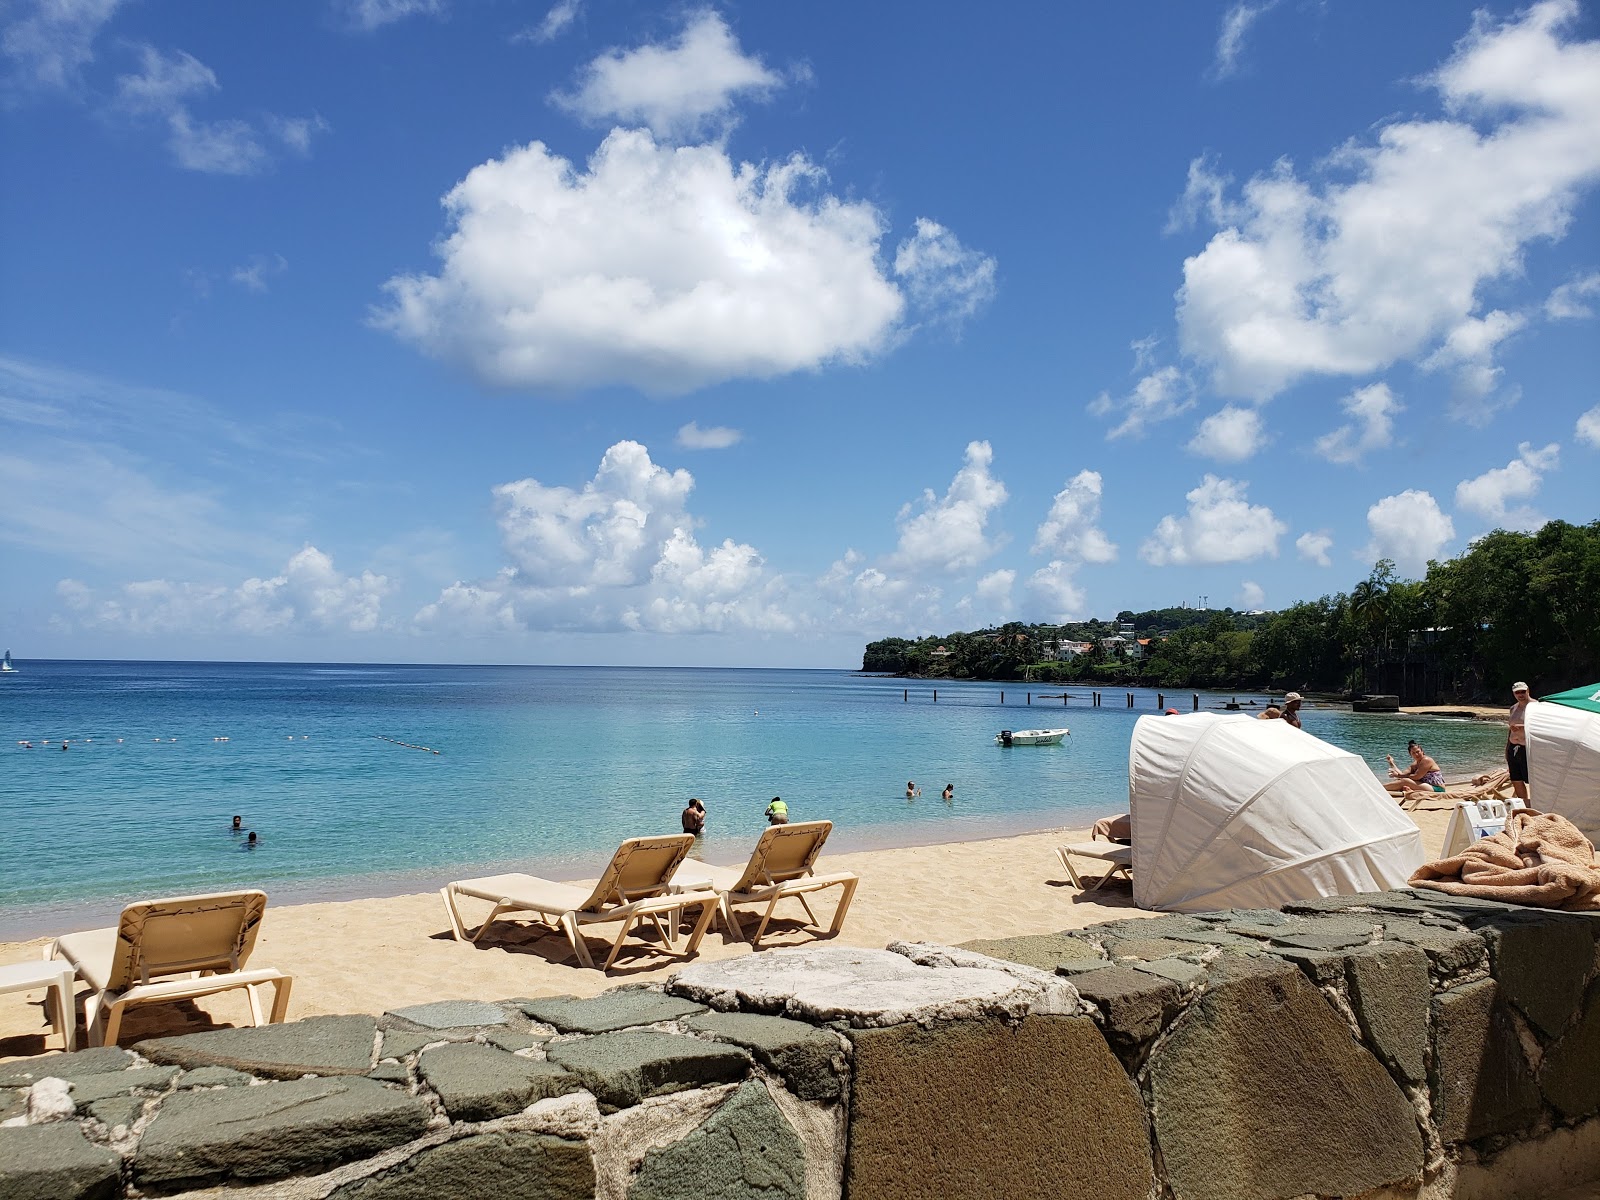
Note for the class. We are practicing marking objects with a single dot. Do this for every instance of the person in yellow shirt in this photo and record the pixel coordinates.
(777, 812)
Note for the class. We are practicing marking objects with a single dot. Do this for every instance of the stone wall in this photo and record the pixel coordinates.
(1404, 1044)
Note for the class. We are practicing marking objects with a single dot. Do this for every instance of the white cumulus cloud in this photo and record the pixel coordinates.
(1468, 352)
(1371, 410)
(1409, 528)
(1491, 494)
(1251, 596)
(1231, 434)
(1071, 529)
(618, 553)
(53, 40)
(949, 534)
(1569, 302)
(1382, 259)
(717, 437)
(1230, 41)
(1159, 396)
(943, 278)
(556, 21)
(675, 90)
(663, 267)
(1221, 526)
(1057, 593)
(1588, 427)
(1314, 547)
(310, 595)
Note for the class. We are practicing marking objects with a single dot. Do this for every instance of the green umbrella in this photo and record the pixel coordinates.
(1579, 697)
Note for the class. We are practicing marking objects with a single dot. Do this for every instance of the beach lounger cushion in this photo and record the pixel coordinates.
(633, 888)
(1119, 858)
(782, 866)
(177, 948)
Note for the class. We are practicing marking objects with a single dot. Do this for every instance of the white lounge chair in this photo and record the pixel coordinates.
(1119, 860)
(173, 949)
(633, 888)
(782, 865)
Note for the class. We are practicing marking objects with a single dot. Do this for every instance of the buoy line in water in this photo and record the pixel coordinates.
(407, 745)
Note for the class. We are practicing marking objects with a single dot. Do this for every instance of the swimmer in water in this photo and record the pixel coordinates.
(949, 792)
(250, 843)
(912, 790)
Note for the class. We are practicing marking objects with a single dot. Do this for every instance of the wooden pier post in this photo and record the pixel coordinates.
(1130, 699)
(1002, 697)
(1161, 700)
(1197, 702)
(936, 695)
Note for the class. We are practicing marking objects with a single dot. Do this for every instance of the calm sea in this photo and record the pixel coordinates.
(538, 768)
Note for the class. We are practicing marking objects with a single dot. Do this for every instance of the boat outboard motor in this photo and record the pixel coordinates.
(1005, 737)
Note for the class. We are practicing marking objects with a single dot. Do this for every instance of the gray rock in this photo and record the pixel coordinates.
(205, 1077)
(810, 1061)
(1449, 951)
(1184, 974)
(1260, 1091)
(745, 1149)
(623, 1068)
(1570, 1071)
(23, 1072)
(391, 1073)
(1482, 1081)
(479, 1083)
(397, 1043)
(255, 1133)
(451, 1014)
(90, 1088)
(514, 1039)
(1322, 967)
(56, 1162)
(1147, 949)
(1045, 951)
(11, 1103)
(1135, 1004)
(1318, 939)
(860, 987)
(1391, 995)
(314, 1046)
(620, 1008)
(1543, 961)
(503, 1166)
(117, 1110)
(984, 1108)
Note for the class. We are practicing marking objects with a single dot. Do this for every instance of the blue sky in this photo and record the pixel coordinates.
(743, 334)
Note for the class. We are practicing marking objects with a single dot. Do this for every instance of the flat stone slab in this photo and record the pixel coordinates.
(1450, 951)
(503, 1165)
(1391, 994)
(90, 1088)
(314, 1046)
(479, 1083)
(861, 987)
(1147, 949)
(256, 1133)
(117, 1110)
(620, 1008)
(1176, 970)
(56, 1162)
(452, 1014)
(623, 1068)
(24, 1072)
(397, 1043)
(1045, 951)
(990, 1110)
(1482, 1083)
(1135, 1004)
(205, 1077)
(810, 1060)
(745, 1148)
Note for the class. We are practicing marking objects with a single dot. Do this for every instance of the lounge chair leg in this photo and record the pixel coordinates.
(280, 999)
(569, 925)
(253, 991)
(455, 917)
(729, 919)
(667, 937)
(755, 942)
(1072, 873)
(848, 894)
(616, 946)
(708, 910)
(94, 1020)
(113, 1022)
(811, 916)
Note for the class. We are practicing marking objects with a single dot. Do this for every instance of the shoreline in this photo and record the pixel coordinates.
(373, 954)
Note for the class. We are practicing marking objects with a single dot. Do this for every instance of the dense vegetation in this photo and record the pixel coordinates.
(1514, 606)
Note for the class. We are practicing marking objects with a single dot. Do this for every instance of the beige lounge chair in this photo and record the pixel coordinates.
(1118, 857)
(781, 866)
(632, 888)
(174, 949)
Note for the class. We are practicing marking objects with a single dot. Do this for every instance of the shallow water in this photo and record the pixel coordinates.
(544, 768)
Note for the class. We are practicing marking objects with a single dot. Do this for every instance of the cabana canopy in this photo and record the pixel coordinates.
(1564, 757)
(1235, 812)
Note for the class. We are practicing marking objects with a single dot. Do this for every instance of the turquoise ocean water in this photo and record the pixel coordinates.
(539, 768)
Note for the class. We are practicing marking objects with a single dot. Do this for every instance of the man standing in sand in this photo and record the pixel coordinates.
(1517, 741)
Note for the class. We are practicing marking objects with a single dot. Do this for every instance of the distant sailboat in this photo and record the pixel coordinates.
(5, 666)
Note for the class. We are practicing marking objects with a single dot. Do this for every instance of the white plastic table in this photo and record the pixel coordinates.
(56, 976)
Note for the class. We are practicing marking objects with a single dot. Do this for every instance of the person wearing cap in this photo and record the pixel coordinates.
(1517, 741)
(1291, 709)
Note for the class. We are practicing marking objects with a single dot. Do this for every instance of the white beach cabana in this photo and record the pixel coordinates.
(1235, 812)
(1564, 757)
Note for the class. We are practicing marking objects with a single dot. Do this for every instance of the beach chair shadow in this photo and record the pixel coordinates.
(633, 891)
(171, 950)
(781, 867)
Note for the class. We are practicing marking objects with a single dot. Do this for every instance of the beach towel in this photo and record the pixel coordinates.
(1114, 829)
(1541, 859)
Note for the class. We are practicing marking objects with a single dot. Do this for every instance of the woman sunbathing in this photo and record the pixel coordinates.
(1422, 776)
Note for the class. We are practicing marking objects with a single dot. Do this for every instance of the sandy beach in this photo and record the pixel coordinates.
(366, 956)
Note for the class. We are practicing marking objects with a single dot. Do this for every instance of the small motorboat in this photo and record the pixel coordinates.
(1030, 737)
